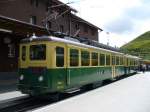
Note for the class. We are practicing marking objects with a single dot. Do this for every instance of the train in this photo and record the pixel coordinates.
(52, 65)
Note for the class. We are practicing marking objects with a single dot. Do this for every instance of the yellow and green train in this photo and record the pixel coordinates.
(50, 64)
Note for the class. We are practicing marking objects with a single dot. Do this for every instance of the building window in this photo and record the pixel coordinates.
(47, 7)
(59, 56)
(93, 32)
(85, 58)
(34, 3)
(61, 28)
(11, 50)
(74, 57)
(85, 29)
(48, 25)
(33, 20)
(77, 26)
(94, 59)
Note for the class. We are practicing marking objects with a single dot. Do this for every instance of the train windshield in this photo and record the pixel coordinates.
(38, 52)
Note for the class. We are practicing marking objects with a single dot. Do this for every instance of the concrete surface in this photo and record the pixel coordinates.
(131, 94)
(10, 95)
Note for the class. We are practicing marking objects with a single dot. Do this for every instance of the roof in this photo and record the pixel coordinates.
(63, 4)
(79, 19)
(20, 26)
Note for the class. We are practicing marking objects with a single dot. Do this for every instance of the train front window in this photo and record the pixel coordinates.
(38, 52)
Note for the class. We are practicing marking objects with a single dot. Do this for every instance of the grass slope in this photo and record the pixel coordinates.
(141, 42)
(139, 46)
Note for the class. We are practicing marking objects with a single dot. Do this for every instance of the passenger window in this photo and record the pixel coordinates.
(74, 57)
(107, 59)
(128, 62)
(102, 59)
(94, 59)
(85, 58)
(117, 60)
(23, 53)
(121, 60)
(113, 60)
(59, 56)
(131, 62)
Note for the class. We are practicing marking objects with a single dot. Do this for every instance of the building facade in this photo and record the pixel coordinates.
(24, 17)
(49, 13)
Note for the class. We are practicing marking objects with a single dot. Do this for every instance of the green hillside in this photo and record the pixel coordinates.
(139, 46)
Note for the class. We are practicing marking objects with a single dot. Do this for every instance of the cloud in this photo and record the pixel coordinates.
(123, 19)
(140, 13)
(120, 25)
(129, 18)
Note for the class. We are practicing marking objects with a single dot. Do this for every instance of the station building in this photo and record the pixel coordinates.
(21, 18)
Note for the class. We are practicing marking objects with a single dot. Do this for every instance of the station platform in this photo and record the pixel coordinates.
(10, 95)
(131, 94)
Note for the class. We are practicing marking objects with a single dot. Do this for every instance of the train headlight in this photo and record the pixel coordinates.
(21, 77)
(40, 78)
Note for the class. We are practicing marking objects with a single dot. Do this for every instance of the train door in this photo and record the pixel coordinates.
(72, 65)
(113, 66)
(60, 74)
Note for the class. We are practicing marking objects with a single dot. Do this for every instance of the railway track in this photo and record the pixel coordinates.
(23, 104)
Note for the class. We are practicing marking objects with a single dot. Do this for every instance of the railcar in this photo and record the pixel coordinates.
(50, 64)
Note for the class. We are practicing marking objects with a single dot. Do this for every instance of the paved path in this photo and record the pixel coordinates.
(131, 94)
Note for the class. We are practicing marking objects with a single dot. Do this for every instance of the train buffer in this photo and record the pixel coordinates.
(130, 94)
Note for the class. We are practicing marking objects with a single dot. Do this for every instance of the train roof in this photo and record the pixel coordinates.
(73, 42)
(56, 39)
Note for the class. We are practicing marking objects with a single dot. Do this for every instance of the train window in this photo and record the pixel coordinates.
(59, 56)
(38, 52)
(113, 60)
(107, 59)
(131, 62)
(94, 59)
(23, 53)
(102, 59)
(127, 61)
(117, 60)
(74, 57)
(121, 60)
(85, 58)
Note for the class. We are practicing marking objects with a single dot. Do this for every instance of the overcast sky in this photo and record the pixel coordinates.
(123, 19)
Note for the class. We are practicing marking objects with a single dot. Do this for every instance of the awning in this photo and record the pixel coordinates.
(20, 27)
